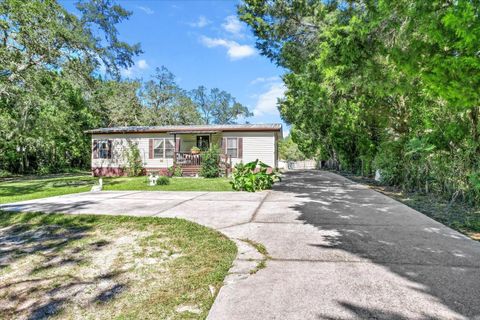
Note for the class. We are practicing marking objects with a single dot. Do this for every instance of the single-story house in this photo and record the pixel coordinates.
(163, 146)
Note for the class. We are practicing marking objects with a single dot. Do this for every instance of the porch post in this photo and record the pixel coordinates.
(210, 141)
(175, 149)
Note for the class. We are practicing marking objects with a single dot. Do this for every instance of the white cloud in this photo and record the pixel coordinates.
(234, 50)
(127, 72)
(137, 68)
(267, 101)
(233, 26)
(263, 80)
(147, 10)
(200, 23)
(142, 64)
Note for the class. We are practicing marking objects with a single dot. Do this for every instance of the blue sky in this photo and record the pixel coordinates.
(202, 43)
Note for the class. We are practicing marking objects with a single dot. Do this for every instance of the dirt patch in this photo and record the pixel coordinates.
(99, 271)
(52, 267)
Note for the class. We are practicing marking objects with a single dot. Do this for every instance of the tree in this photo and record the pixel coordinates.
(118, 103)
(48, 60)
(372, 82)
(288, 150)
(42, 34)
(218, 106)
(166, 103)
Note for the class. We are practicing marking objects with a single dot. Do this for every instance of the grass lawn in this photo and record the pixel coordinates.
(107, 267)
(33, 188)
(176, 184)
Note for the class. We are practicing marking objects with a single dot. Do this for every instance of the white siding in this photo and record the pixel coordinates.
(256, 145)
(120, 145)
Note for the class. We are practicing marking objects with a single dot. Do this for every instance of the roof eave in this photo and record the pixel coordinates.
(184, 131)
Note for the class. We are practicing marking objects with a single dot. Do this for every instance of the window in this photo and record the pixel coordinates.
(104, 149)
(169, 148)
(163, 148)
(158, 145)
(232, 147)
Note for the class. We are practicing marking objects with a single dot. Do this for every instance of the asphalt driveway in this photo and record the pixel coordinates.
(338, 250)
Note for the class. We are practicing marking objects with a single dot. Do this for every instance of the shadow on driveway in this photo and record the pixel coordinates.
(369, 225)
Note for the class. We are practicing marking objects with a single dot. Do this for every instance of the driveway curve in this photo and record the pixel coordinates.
(336, 249)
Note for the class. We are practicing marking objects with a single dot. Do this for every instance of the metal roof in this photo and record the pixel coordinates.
(190, 128)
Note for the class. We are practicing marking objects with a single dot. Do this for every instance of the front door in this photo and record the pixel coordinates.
(203, 142)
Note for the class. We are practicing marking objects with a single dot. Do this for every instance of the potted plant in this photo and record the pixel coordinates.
(195, 150)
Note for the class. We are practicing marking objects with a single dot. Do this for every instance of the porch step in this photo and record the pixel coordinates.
(190, 170)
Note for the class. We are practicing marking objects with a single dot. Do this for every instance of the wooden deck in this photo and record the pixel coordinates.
(191, 163)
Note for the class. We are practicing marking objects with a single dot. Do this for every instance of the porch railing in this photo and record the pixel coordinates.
(190, 159)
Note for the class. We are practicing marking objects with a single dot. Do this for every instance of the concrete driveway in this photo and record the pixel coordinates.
(338, 250)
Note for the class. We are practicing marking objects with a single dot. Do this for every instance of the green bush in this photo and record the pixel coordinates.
(134, 160)
(211, 163)
(163, 181)
(253, 176)
(175, 171)
(4, 173)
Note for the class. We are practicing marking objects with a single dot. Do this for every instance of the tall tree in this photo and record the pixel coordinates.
(166, 103)
(218, 106)
(372, 82)
(48, 57)
(118, 103)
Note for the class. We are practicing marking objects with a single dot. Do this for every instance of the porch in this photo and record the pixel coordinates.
(191, 160)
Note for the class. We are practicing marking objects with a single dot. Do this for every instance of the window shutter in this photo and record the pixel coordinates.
(109, 153)
(95, 149)
(240, 148)
(224, 145)
(177, 145)
(150, 148)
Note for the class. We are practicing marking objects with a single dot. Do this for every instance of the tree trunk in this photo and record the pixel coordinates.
(474, 115)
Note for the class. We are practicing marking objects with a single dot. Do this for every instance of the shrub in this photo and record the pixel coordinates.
(163, 181)
(211, 163)
(253, 176)
(4, 173)
(175, 171)
(134, 160)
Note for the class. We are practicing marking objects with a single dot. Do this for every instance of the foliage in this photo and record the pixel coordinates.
(165, 102)
(253, 176)
(134, 160)
(218, 106)
(288, 150)
(175, 171)
(48, 82)
(211, 162)
(163, 181)
(60, 76)
(389, 85)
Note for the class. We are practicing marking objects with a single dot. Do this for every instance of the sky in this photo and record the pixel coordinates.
(202, 43)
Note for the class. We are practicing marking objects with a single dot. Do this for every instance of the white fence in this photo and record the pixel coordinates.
(297, 165)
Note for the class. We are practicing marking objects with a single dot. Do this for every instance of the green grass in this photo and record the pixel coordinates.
(40, 187)
(176, 184)
(108, 267)
(262, 264)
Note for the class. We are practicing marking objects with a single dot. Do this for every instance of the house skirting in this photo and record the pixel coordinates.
(118, 172)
